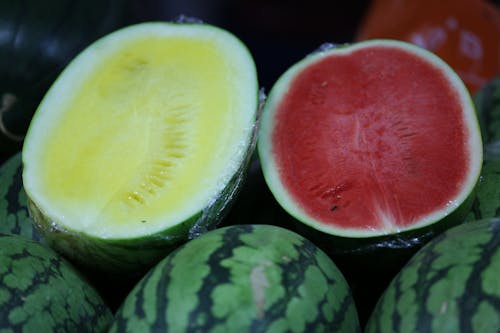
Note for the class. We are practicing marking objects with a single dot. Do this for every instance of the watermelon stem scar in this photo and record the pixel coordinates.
(259, 283)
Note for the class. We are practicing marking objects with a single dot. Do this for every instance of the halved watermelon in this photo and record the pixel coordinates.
(370, 139)
(373, 148)
(141, 143)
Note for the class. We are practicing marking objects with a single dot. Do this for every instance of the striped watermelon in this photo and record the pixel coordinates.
(487, 102)
(14, 215)
(243, 278)
(40, 292)
(487, 201)
(451, 285)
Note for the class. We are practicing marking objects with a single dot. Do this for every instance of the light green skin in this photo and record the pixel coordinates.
(450, 285)
(14, 215)
(41, 292)
(244, 278)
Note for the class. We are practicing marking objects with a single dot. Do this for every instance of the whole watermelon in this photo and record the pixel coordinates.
(14, 214)
(40, 292)
(451, 285)
(487, 201)
(243, 278)
(487, 103)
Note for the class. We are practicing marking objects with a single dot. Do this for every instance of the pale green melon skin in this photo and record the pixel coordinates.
(42, 292)
(450, 285)
(132, 256)
(243, 278)
(14, 214)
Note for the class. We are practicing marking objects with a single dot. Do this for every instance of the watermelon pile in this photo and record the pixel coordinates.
(360, 194)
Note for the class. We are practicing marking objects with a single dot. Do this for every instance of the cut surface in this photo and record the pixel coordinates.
(142, 130)
(374, 138)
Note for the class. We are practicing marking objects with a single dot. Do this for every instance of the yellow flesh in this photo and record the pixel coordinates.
(145, 130)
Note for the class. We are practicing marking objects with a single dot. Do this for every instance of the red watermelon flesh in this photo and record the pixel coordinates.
(375, 138)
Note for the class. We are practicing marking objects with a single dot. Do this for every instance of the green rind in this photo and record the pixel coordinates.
(245, 278)
(450, 285)
(14, 214)
(120, 257)
(358, 258)
(41, 292)
(269, 167)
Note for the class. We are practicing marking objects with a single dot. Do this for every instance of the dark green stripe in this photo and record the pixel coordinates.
(396, 316)
(160, 324)
(14, 214)
(476, 210)
(468, 303)
(424, 284)
(339, 319)
(15, 187)
(36, 278)
(217, 275)
(293, 279)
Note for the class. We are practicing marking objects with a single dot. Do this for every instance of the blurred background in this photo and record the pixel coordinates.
(38, 38)
(277, 32)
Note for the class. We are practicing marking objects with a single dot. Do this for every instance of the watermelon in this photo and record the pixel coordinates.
(353, 137)
(166, 119)
(14, 215)
(41, 292)
(241, 278)
(372, 149)
(450, 285)
(487, 102)
(487, 201)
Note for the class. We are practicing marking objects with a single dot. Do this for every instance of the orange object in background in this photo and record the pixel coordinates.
(464, 33)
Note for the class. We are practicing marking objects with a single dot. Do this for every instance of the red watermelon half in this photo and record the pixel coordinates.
(371, 139)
